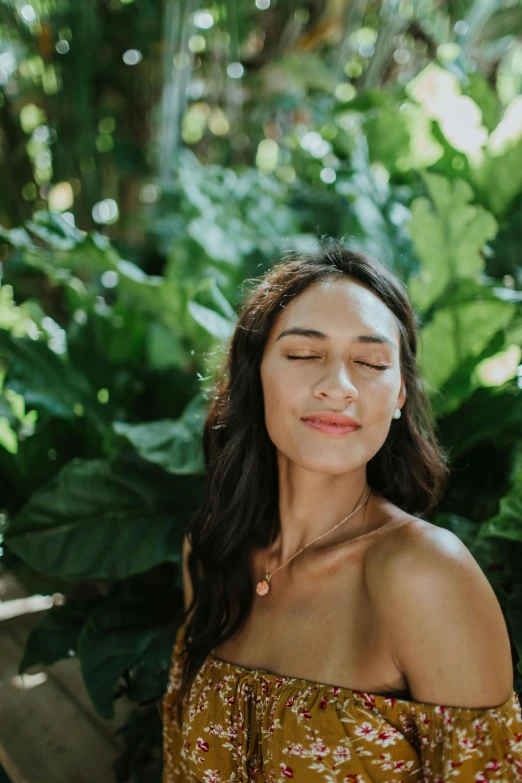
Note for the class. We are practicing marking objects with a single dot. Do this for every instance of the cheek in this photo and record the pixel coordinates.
(379, 404)
(280, 394)
(376, 412)
(283, 401)
(378, 394)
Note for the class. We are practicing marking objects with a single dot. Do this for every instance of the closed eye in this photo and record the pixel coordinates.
(375, 366)
(366, 364)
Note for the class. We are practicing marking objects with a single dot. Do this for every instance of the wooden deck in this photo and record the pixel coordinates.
(49, 731)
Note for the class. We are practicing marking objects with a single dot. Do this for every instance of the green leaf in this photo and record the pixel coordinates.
(388, 137)
(118, 635)
(506, 245)
(57, 241)
(514, 613)
(16, 237)
(107, 520)
(215, 241)
(57, 635)
(424, 150)
(210, 309)
(174, 444)
(505, 21)
(148, 677)
(56, 225)
(494, 413)
(464, 380)
(297, 73)
(49, 381)
(448, 233)
(60, 258)
(498, 180)
(456, 333)
(165, 348)
(508, 522)
(480, 90)
(210, 295)
(212, 322)
(8, 433)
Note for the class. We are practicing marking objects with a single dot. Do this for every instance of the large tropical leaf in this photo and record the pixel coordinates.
(449, 234)
(459, 332)
(498, 178)
(120, 633)
(56, 637)
(101, 519)
(508, 522)
(174, 444)
(48, 380)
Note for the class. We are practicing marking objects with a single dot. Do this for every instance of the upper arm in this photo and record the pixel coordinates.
(187, 586)
(443, 621)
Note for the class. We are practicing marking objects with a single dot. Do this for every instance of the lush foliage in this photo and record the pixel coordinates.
(108, 341)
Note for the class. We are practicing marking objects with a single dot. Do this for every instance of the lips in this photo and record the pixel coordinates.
(334, 418)
(332, 424)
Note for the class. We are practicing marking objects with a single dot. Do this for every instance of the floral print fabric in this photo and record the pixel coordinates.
(244, 725)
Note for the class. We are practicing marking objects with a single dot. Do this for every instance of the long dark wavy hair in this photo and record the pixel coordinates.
(240, 503)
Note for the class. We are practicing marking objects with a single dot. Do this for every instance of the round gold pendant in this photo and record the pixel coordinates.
(262, 587)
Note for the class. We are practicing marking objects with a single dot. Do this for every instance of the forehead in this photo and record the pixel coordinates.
(338, 307)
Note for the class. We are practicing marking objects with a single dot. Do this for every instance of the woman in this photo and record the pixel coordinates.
(332, 633)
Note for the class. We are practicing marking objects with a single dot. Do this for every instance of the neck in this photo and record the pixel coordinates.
(311, 504)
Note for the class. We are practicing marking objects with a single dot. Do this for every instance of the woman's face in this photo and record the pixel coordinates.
(340, 375)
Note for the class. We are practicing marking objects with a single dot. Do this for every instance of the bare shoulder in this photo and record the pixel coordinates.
(415, 538)
(441, 617)
(416, 546)
(400, 532)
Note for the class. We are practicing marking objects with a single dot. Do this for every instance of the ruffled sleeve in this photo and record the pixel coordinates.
(468, 745)
(174, 770)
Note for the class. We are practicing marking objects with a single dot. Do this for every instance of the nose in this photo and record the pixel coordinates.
(336, 383)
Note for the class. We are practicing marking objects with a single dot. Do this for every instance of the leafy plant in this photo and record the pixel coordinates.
(109, 341)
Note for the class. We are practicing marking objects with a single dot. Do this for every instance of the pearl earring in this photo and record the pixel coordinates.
(397, 413)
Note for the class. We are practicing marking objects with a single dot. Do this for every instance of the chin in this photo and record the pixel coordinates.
(327, 465)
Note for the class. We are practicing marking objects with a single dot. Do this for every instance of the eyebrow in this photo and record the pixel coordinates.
(377, 337)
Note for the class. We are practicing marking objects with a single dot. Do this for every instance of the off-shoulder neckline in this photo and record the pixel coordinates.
(353, 692)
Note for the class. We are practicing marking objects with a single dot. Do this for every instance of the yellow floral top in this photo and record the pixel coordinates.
(244, 725)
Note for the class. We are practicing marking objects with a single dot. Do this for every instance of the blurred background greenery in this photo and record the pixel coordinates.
(154, 155)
